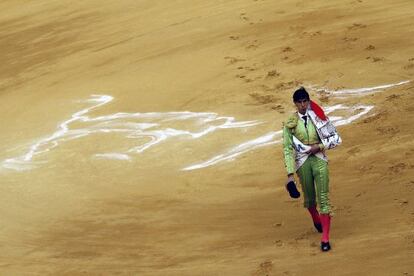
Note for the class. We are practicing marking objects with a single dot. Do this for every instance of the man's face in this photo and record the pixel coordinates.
(302, 105)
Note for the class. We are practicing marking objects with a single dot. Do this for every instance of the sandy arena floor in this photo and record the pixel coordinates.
(143, 137)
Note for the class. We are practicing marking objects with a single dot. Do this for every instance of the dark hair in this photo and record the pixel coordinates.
(300, 94)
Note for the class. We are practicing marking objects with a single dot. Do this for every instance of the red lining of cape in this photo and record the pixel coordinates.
(318, 110)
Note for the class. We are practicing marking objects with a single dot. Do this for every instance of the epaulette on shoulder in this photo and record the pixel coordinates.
(292, 120)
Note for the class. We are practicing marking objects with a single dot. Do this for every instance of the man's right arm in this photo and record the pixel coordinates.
(288, 151)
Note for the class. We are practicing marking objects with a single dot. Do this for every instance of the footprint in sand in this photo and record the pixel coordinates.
(244, 77)
(409, 66)
(342, 209)
(356, 26)
(350, 39)
(379, 116)
(388, 130)
(250, 68)
(314, 244)
(306, 235)
(311, 34)
(278, 243)
(370, 48)
(277, 224)
(365, 168)
(403, 202)
(393, 97)
(232, 60)
(287, 49)
(272, 73)
(279, 108)
(263, 99)
(253, 45)
(264, 268)
(243, 16)
(360, 194)
(286, 85)
(375, 59)
(353, 151)
(398, 168)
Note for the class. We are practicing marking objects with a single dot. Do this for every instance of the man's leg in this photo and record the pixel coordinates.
(306, 181)
(321, 175)
(309, 195)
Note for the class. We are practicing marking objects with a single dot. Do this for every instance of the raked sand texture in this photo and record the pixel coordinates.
(143, 137)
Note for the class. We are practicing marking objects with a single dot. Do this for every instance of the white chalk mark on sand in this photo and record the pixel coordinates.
(339, 121)
(115, 156)
(265, 140)
(153, 126)
(360, 91)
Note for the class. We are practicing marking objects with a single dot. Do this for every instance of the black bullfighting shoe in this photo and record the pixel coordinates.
(325, 246)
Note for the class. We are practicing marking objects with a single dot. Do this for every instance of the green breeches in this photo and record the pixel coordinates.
(314, 179)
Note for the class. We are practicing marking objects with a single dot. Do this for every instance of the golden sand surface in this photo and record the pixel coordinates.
(71, 211)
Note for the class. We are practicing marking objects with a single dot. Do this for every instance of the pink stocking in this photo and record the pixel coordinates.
(326, 225)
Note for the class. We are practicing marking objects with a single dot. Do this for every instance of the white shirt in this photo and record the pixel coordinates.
(301, 116)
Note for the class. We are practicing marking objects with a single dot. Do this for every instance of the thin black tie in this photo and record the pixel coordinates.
(306, 120)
